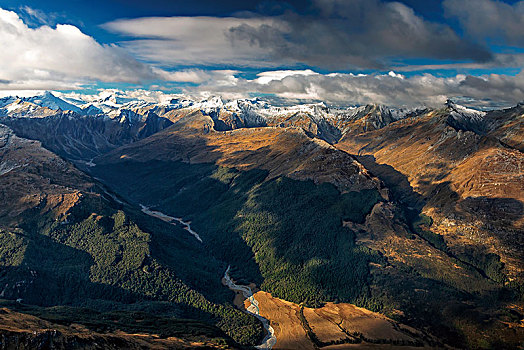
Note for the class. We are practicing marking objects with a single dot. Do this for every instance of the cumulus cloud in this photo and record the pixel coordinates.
(489, 19)
(269, 76)
(390, 89)
(296, 86)
(62, 57)
(340, 35)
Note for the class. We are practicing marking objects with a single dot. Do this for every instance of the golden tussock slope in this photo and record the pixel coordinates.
(470, 183)
(281, 151)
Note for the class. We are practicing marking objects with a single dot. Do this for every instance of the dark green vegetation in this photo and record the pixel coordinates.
(79, 248)
(131, 322)
(285, 235)
(105, 259)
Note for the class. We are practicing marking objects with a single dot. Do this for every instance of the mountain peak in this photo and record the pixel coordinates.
(49, 100)
(48, 93)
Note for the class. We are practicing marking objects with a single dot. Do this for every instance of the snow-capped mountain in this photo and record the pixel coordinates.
(249, 112)
(466, 119)
(47, 99)
(317, 119)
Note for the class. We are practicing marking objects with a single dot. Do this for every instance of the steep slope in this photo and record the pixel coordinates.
(316, 119)
(281, 151)
(81, 138)
(16, 107)
(454, 166)
(460, 186)
(271, 192)
(65, 241)
(310, 224)
(192, 170)
(369, 117)
(47, 99)
(30, 327)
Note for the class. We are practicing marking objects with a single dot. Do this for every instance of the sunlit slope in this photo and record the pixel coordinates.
(466, 177)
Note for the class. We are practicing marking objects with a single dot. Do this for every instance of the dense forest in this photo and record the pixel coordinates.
(103, 259)
(105, 256)
(288, 237)
(285, 235)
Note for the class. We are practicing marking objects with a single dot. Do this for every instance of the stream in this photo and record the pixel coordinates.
(170, 219)
(270, 340)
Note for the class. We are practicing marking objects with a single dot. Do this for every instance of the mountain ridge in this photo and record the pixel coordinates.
(399, 203)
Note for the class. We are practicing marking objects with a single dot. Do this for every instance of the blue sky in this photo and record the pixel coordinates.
(340, 51)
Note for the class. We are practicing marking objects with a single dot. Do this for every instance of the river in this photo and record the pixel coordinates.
(270, 340)
(170, 219)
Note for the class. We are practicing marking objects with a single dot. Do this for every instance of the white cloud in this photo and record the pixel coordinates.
(359, 33)
(20, 93)
(393, 89)
(266, 77)
(395, 75)
(35, 17)
(340, 35)
(390, 89)
(183, 76)
(63, 57)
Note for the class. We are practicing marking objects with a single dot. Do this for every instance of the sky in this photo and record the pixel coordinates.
(343, 52)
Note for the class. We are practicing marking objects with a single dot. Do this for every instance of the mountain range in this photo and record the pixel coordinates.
(413, 214)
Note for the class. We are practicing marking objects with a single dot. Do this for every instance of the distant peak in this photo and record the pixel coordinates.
(215, 100)
(449, 103)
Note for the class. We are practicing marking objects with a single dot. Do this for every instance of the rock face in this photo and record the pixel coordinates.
(83, 131)
(316, 119)
(80, 137)
(32, 176)
(287, 151)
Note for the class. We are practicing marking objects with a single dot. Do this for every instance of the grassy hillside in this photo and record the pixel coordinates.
(303, 243)
(298, 217)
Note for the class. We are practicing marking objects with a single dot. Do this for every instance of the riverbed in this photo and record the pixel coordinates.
(170, 219)
(270, 340)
